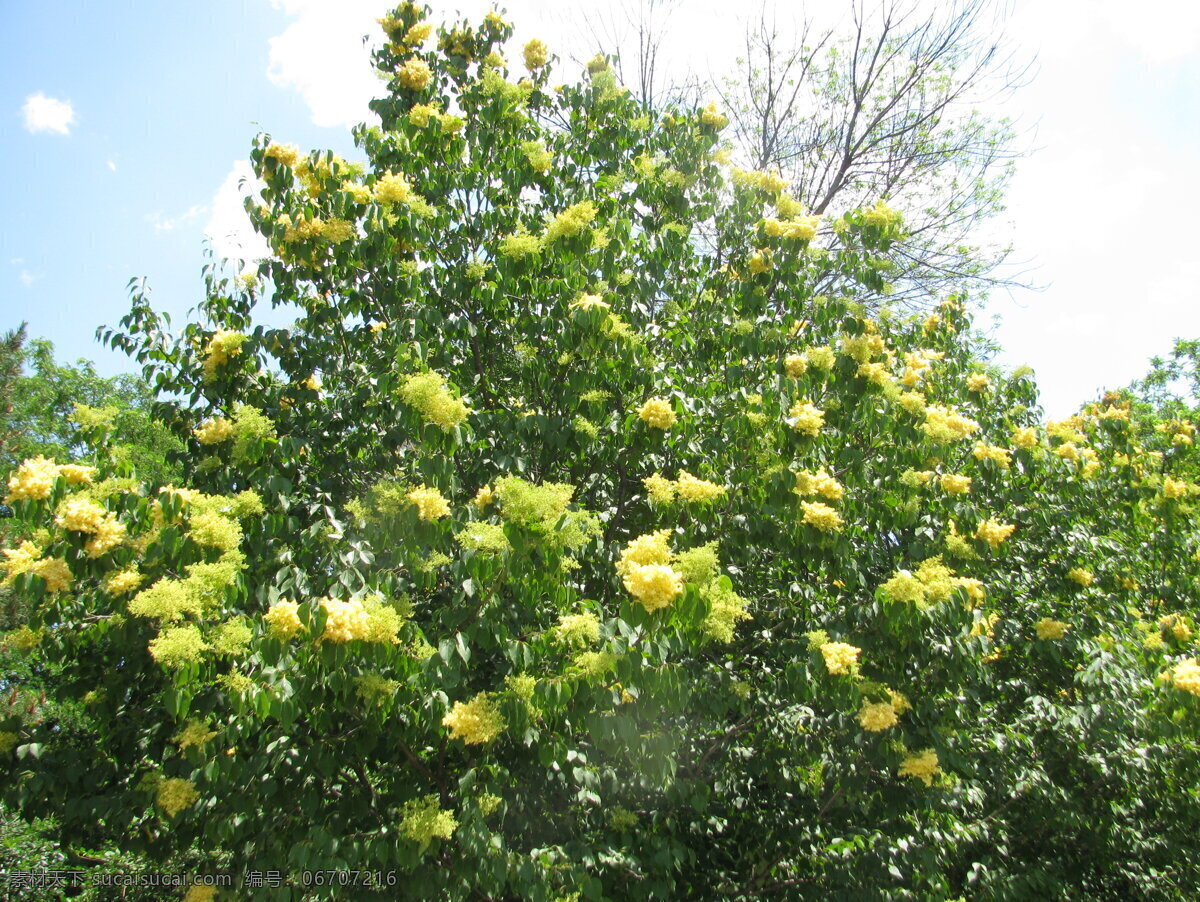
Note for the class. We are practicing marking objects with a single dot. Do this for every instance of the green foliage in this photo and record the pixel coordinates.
(481, 657)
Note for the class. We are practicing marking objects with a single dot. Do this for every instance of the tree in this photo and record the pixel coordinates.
(552, 553)
(39, 414)
(886, 107)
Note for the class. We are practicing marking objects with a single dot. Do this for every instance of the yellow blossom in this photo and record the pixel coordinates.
(55, 572)
(840, 658)
(176, 794)
(692, 489)
(344, 620)
(475, 722)
(877, 717)
(415, 74)
(654, 586)
(657, 413)
(75, 474)
(821, 358)
(1186, 676)
(660, 489)
(213, 430)
(1048, 628)
(821, 516)
(978, 382)
(194, 735)
(536, 54)
(819, 483)
(284, 619)
(1081, 576)
(999, 456)
(795, 365)
(955, 483)
(713, 118)
(805, 418)
(33, 480)
(1174, 488)
(923, 766)
(994, 532)
(1025, 437)
(423, 819)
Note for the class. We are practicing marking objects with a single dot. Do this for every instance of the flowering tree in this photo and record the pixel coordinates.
(569, 545)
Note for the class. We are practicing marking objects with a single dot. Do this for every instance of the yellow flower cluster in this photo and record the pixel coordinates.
(693, 489)
(820, 358)
(536, 55)
(430, 394)
(863, 347)
(933, 583)
(8, 742)
(943, 424)
(75, 474)
(660, 489)
(577, 629)
(540, 159)
(713, 118)
(415, 74)
(1048, 628)
(213, 430)
(796, 365)
(1080, 576)
(283, 618)
(224, 345)
(657, 413)
(994, 532)
(877, 717)
(1174, 488)
(646, 572)
(80, 515)
(1186, 676)
(978, 382)
(1002, 457)
(571, 221)
(955, 483)
(84, 515)
(431, 504)
(1177, 626)
(881, 216)
(194, 735)
(923, 766)
(34, 480)
(821, 516)
(840, 658)
(821, 483)
(806, 418)
(801, 228)
(287, 154)
(176, 794)
(423, 819)
(177, 646)
(770, 182)
(345, 620)
(916, 478)
(475, 722)
(590, 302)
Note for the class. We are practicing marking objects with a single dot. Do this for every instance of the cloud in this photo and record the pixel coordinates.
(47, 114)
(321, 55)
(112, 165)
(229, 228)
(27, 278)
(167, 224)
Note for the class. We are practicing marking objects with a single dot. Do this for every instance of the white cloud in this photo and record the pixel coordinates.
(27, 278)
(229, 228)
(169, 224)
(112, 165)
(47, 114)
(321, 55)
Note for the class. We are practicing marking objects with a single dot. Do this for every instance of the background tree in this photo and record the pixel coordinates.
(889, 104)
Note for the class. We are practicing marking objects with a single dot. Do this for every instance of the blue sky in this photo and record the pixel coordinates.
(164, 99)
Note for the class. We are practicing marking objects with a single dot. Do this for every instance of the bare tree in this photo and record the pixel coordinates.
(636, 31)
(885, 105)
